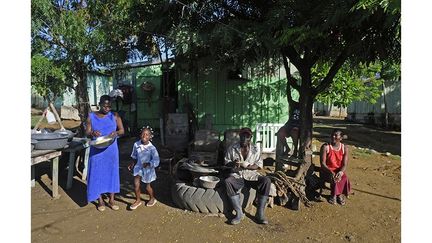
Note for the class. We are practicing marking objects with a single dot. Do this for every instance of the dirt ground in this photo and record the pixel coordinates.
(372, 213)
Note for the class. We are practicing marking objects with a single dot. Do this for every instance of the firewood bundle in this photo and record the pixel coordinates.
(286, 185)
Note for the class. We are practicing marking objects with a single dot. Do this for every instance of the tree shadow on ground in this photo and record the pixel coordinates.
(359, 135)
(78, 191)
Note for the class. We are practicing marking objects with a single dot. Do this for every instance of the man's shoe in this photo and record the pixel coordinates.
(259, 216)
(235, 202)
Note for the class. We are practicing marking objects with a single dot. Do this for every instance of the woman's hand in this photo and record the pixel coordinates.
(95, 133)
(130, 166)
(145, 165)
(113, 134)
(333, 176)
(338, 176)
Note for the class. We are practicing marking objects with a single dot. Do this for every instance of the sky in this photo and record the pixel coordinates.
(15, 99)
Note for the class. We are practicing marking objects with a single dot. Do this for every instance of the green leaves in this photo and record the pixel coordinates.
(70, 38)
(358, 83)
(392, 6)
(47, 78)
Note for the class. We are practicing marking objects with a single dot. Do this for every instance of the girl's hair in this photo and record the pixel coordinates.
(342, 134)
(104, 98)
(149, 129)
(339, 131)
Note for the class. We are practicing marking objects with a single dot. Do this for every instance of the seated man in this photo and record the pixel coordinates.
(334, 162)
(290, 129)
(244, 157)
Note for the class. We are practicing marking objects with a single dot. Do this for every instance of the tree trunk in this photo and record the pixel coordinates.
(306, 116)
(386, 115)
(329, 108)
(82, 98)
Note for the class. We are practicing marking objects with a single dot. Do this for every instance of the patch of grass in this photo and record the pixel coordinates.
(362, 153)
(395, 156)
(68, 124)
(35, 119)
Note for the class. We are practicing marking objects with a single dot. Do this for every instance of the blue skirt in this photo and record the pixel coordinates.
(103, 172)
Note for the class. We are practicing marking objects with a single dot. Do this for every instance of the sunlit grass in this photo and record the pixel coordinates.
(35, 119)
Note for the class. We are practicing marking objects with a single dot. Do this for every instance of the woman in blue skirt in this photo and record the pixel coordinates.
(103, 172)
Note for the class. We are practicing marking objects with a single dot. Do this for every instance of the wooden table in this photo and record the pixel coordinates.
(76, 145)
(38, 156)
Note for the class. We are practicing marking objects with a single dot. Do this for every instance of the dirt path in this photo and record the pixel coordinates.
(372, 214)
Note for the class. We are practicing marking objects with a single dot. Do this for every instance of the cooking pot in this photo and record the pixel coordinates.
(50, 141)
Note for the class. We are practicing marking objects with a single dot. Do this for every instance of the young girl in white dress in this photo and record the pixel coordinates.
(145, 160)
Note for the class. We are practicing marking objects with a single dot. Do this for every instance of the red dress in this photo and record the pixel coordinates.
(334, 163)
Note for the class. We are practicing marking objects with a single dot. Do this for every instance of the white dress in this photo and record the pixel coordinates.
(145, 154)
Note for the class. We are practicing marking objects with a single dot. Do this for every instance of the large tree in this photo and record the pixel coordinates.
(76, 37)
(335, 32)
(302, 33)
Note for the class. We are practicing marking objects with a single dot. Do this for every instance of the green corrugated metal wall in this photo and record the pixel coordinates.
(234, 103)
(147, 108)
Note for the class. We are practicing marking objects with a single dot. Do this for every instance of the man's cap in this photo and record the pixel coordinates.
(245, 131)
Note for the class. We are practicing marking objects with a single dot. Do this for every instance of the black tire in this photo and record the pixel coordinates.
(202, 200)
(198, 200)
(208, 199)
(175, 194)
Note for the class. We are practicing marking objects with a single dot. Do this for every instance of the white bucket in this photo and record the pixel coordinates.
(50, 117)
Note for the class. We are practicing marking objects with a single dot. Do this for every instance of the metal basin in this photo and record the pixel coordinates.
(209, 182)
(102, 142)
(49, 141)
(68, 133)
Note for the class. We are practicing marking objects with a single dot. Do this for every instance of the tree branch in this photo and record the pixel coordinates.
(290, 79)
(293, 56)
(288, 87)
(310, 57)
(100, 73)
(332, 72)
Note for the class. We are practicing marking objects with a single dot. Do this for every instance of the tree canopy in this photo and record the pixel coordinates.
(305, 34)
(74, 37)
